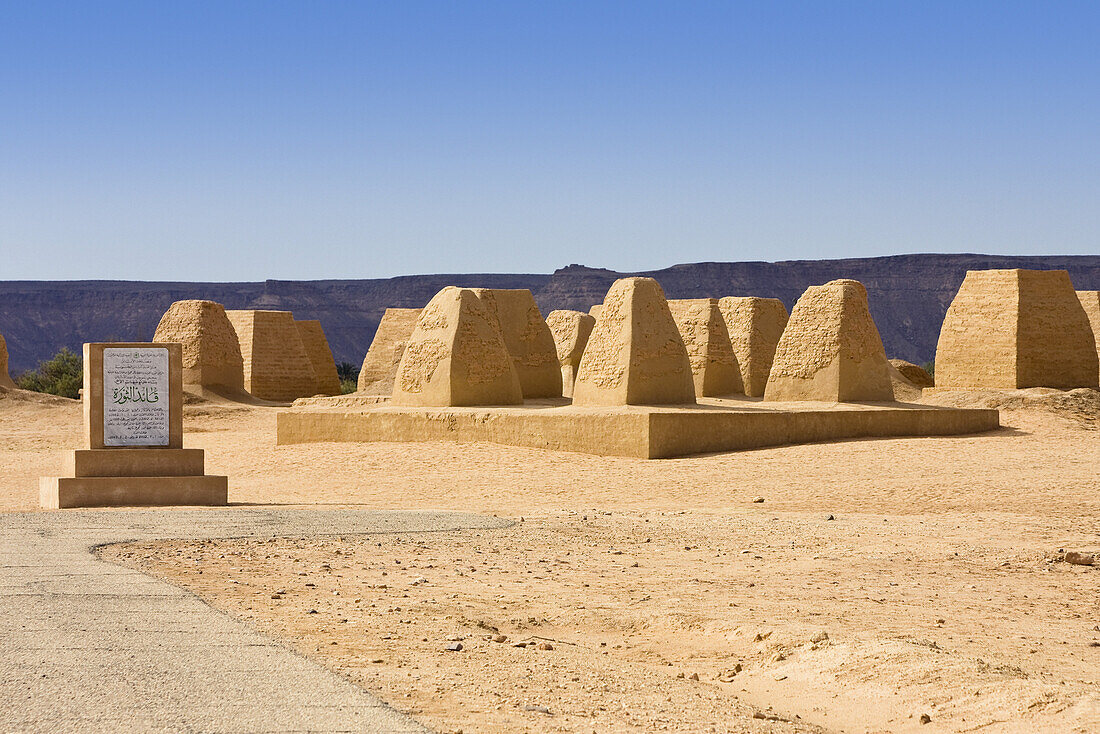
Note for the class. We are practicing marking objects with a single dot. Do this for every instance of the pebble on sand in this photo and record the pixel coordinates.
(1079, 558)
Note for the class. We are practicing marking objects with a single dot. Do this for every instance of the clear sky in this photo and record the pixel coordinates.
(241, 141)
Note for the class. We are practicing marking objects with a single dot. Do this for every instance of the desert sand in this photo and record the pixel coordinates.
(878, 582)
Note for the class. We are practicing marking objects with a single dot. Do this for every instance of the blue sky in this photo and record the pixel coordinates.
(243, 141)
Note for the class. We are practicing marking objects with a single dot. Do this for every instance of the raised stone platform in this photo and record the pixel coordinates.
(132, 477)
(714, 425)
(56, 493)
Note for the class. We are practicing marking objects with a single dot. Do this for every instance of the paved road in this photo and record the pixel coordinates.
(92, 647)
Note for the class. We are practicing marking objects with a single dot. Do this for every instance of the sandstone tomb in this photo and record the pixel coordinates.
(571, 330)
(754, 326)
(527, 338)
(5, 376)
(635, 355)
(713, 364)
(456, 356)
(276, 365)
(384, 355)
(1010, 329)
(211, 354)
(1090, 300)
(830, 349)
(313, 339)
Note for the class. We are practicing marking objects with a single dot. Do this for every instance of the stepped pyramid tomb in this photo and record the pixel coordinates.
(754, 326)
(320, 356)
(1090, 300)
(713, 364)
(1012, 329)
(571, 330)
(5, 376)
(457, 356)
(527, 338)
(635, 355)
(384, 356)
(276, 365)
(830, 349)
(211, 354)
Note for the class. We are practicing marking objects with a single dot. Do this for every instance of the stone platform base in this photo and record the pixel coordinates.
(714, 425)
(60, 492)
(132, 477)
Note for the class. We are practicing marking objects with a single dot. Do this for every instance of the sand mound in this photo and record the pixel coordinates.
(635, 355)
(5, 378)
(904, 390)
(714, 367)
(320, 356)
(571, 330)
(916, 375)
(211, 353)
(1080, 405)
(754, 326)
(1090, 301)
(457, 356)
(1010, 329)
(384, 356)
(15, 395)
(528, 339)
(830, 349)
(276, 365)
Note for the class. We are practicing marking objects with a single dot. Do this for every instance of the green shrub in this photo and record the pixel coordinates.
(349, 377)
(63, 375)
(930, 368)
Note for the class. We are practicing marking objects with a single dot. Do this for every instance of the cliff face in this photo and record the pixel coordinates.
(908, 294)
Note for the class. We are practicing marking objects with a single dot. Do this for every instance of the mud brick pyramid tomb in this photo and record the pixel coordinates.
(1009, 329)
(277, 366)
(571, 330)
(461, 378)
(830, 349)
(754, 326)
(380, 365)
(211, 354)
(527, 338)
(5, 377)
(320, 357)
(1090, 301)
(714, 366)
(133, 450)
(456, 356)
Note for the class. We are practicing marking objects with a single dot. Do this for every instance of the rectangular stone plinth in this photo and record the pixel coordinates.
(60, 492)
(132, 463)
(637, 431)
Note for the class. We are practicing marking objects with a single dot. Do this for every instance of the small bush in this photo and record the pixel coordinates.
(349, 377)
(63, 375)
(930, 368)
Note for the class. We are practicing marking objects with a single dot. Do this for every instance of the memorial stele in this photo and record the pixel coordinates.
(133, 450)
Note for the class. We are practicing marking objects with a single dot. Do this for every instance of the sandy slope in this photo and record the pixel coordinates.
(966, 530)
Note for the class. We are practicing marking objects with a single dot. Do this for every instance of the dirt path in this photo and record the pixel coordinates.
(936, 585)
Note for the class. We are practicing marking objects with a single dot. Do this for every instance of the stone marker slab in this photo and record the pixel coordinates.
(133, 431)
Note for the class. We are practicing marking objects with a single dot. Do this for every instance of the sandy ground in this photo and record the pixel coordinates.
(936, 590)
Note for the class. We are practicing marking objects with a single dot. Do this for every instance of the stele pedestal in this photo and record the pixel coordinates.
(133, 433)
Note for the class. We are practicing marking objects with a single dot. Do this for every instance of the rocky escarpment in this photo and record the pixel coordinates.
(908, 294)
